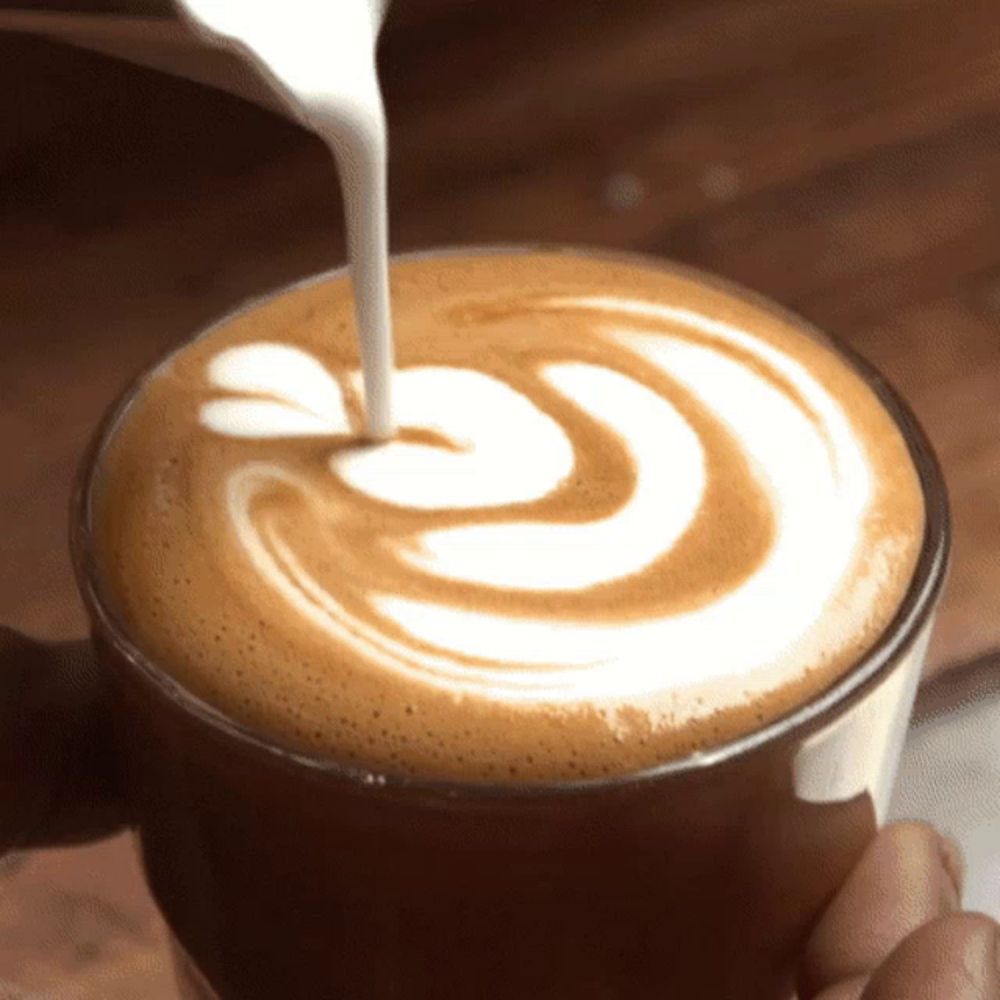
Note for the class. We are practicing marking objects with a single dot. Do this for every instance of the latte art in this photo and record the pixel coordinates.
(625, 515)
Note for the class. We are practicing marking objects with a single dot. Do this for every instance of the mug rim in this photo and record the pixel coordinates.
(892, 643)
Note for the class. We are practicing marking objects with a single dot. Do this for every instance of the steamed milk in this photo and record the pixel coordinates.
(319, 55)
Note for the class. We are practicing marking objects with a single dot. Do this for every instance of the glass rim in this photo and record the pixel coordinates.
(914, 611)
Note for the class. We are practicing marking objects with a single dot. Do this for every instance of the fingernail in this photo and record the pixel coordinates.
(953, 863)
(979, 959)
(982, 958)
(991, 961)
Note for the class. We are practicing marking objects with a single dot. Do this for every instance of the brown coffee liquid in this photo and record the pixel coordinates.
(628, 514)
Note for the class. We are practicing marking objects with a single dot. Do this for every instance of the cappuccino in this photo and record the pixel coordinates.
(628, 514)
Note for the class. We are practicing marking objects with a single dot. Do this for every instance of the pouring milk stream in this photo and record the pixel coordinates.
(319, 56)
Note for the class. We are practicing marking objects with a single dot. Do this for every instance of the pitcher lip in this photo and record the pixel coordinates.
(911, 617)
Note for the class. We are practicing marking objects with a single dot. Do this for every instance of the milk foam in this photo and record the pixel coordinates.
(510, 452)
(546, 546)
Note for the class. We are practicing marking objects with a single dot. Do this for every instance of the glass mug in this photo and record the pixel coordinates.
(285, 876)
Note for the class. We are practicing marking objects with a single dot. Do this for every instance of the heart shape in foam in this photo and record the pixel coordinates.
(284, 392)
(504, 450)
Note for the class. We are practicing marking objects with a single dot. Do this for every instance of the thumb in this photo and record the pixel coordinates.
(951, 958)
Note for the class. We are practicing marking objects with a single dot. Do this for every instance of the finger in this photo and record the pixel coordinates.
(87, 800)
(57, 769)
(951, 958)
(908, 875)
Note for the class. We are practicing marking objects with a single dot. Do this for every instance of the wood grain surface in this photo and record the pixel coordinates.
(842, 157)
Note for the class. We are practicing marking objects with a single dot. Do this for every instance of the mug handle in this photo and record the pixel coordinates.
(59, 780)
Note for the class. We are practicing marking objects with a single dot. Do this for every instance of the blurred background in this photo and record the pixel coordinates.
(841, 156)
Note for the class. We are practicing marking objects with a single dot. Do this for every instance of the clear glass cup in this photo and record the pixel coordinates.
(283, 875)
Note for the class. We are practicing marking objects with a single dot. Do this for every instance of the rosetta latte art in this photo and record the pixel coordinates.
(613, 505)
(503, 450)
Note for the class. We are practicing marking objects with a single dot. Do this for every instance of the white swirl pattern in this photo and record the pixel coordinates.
(507, 451)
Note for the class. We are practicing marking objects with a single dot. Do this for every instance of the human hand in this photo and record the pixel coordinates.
(57, 764)
(894, 931)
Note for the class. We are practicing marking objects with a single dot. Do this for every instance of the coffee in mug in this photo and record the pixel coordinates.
(597, 669)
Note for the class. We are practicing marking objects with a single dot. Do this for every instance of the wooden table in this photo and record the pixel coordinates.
(842, 157)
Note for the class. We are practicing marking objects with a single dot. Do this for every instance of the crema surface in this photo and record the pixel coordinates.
(627, 514)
